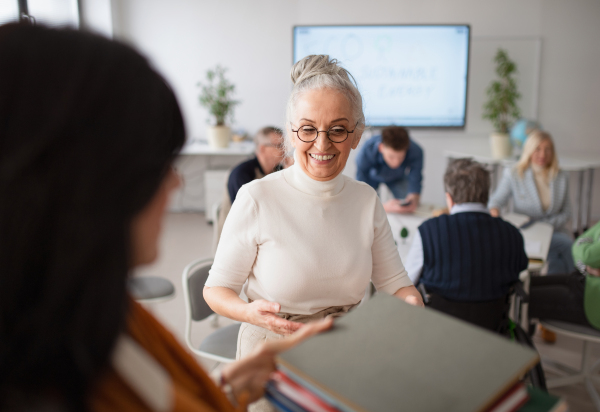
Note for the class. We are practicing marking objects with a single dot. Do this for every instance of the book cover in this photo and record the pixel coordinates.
(388, 355)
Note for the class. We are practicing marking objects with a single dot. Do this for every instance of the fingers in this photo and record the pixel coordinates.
(282, 326)
(305, 332)
(413, 300)
(266, 306)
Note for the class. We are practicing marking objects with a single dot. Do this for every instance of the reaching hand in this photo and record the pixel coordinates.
(263, 313)
(249, 375)
(415, 301)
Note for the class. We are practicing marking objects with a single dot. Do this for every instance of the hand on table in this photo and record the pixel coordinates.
(263, 313)
(249, 375)
(395, 205)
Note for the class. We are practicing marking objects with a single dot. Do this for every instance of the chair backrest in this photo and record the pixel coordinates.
(194, 278)
(491, 315)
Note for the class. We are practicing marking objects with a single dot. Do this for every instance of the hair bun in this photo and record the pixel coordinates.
(315, 65)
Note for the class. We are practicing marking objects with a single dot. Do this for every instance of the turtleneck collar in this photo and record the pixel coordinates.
(299, 180)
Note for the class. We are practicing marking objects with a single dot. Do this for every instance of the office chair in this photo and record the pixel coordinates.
(150, 289)
(220, 345)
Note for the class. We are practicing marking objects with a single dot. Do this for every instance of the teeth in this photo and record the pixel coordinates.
(318, 157)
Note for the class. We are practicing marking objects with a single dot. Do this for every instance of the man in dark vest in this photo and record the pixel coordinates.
(467, 255)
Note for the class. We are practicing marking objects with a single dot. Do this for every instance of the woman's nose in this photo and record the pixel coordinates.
(322, 143)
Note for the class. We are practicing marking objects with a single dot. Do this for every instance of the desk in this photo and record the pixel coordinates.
(580, 164)
(537, 237)
(204, 170)
(201, 147)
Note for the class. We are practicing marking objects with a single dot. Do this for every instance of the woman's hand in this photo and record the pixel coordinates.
(410, 295)
(592, 271)
(263, 313)
(248, 376)
(494, 212)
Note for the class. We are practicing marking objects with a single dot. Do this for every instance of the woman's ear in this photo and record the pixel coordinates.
(356, 140)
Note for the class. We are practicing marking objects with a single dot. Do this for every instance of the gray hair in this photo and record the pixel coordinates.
(321, 72)
(263, 136)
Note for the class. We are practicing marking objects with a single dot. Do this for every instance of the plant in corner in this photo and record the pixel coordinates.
(501, 107)
(217, 96)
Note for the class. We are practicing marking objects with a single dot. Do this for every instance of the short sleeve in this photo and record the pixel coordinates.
(388, 273)
(238, 245)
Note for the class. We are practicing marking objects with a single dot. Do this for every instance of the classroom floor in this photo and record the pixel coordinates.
(187, 236)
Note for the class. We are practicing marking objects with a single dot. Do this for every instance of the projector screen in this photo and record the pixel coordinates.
(413, 76)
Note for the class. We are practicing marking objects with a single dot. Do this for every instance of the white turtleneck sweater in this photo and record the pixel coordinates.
(305, 244)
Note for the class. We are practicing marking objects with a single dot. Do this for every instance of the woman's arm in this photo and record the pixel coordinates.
(248, 376)
(226, 302)
(411, 295)
(559, 219)
(502, 194)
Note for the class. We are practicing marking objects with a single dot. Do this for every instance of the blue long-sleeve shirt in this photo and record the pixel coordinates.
(372, 169)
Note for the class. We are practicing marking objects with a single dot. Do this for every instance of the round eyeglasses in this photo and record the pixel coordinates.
(337, 134)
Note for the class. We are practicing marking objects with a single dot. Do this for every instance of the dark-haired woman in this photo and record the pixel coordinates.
(88, 133)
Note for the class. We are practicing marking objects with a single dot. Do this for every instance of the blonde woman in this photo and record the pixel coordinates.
(540, 190)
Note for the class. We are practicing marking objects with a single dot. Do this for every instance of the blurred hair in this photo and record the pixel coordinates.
(467, 182)
(263, 136)
(534, 139)
(321, 72)
(396, 138)
(87, 133)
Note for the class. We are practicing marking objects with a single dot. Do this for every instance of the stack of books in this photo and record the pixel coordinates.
(387, 355)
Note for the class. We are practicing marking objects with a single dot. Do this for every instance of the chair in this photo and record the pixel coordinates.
(150, 289)
(588, 372)
(221, 345)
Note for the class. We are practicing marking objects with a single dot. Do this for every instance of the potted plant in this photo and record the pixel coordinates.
(501, 108)
(216, 95)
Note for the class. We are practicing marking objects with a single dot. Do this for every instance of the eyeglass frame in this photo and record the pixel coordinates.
(323, 131)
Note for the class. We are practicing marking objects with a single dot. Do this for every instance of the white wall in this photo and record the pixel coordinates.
(184, 38)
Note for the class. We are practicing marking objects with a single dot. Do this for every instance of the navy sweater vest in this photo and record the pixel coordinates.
(471, 256)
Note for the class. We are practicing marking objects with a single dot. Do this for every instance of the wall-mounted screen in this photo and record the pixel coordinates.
(414, 76)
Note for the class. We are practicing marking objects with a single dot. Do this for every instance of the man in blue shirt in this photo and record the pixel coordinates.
(397, 161)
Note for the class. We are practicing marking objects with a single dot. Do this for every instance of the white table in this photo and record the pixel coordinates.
(537, 237)
(201, 147)
(204, 169)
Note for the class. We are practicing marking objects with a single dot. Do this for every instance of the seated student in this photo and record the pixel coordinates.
(467, 255)
(540, 190)
(397, 161)
(574, 297)
(268, 156)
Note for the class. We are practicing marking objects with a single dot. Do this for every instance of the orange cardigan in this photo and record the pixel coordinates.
(192, 388)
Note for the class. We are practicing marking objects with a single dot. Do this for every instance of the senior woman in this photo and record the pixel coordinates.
(307, 240)
(540, 190)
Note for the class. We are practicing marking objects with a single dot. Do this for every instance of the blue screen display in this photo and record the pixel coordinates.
(414, 76)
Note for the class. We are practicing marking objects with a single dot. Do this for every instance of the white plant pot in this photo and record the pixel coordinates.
(218, 136)
(501, 146)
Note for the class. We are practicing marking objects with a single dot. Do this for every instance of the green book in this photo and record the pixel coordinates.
(387, 355)
(541, 401)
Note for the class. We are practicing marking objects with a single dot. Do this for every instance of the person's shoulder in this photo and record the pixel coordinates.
(562, 175)
(414, 146)
(244, 170)
(371, 143)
